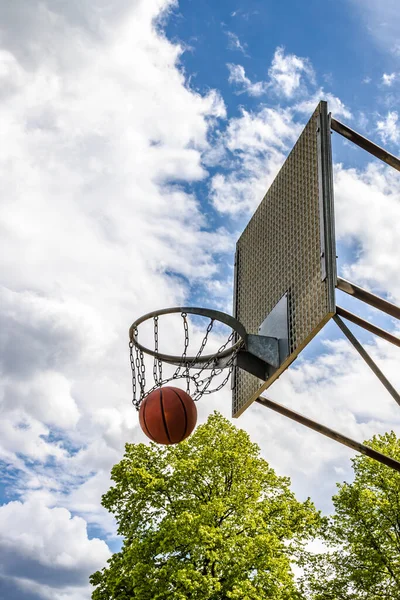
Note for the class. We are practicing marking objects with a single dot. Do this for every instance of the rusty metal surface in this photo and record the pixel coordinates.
(365, 144)
(354, 290)
(330, 433)
(364, 354)
(280, 251)
(389, 337)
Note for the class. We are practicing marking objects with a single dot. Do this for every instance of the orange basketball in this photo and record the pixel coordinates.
(168, 415)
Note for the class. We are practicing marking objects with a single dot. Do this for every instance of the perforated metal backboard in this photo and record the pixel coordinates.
(288, 251)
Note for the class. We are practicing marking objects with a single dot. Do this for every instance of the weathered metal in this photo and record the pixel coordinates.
(365, 144)
(389, 337)
(251, 364)
(264, 347)
(330, 433)
(326, 207)
(354, 290)
(364, 354)
(276, 325)
(204, 312)
(279, 253)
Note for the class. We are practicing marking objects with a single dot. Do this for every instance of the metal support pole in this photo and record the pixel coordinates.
(342, 312)
(353, 340)
(365, 144)
(368, 298)
(330, 433)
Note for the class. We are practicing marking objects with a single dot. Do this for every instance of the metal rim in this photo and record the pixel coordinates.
(193, 310)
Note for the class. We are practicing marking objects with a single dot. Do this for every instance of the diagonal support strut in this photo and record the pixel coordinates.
(376, 301)
(382, 333)
(330, 433)
(365, 144)
(364, 354)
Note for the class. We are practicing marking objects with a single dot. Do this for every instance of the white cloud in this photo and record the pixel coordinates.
(388, 129)
(388, 79)
(97, 226)
(286, 72)
(373, 193)
(258, 143)
(235, 43)
(237, 75)
(47, 546)
(336, 389)
(14, 588)
(24, 436)
(382, 20)
(335, 105)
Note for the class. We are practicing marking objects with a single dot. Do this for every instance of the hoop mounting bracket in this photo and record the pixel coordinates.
(265, 352)
(252, 364)
(262, 353)
(264, 347)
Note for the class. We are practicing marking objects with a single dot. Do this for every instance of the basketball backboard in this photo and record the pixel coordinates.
(285, 266)
(284, 293)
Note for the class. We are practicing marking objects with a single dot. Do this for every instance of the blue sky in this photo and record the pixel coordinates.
(138, 139)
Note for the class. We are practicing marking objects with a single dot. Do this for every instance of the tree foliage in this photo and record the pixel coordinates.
(363, 535)
(206, 519)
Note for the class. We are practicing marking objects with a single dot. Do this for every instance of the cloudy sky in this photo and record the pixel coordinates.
(137, 138)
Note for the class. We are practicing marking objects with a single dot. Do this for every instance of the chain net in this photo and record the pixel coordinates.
(198, 379)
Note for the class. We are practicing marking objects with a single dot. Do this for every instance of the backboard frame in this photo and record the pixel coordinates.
(313, 195)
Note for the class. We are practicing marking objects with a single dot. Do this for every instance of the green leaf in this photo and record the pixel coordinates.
(363, 534)
(206, 519)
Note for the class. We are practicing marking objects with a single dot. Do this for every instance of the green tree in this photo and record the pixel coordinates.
(363, 535)
(206, 519)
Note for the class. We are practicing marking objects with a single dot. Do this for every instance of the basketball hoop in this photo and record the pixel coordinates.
(198, 370)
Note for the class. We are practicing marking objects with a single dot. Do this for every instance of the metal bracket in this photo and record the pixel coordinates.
(325, 192)
(276, 325)
(252, 364)
(266, 351)
(264, 347)
(261, 353)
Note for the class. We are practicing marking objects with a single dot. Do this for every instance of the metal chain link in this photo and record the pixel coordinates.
(201, 384)
(204, 342)
(214, 359)
(133, 372)
(205, 383)
(186, 333)
(138, 370)
(186, 372)
(157, 367)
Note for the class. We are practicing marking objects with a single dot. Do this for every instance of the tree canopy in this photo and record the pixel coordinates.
(206, 519)
(363, 535)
